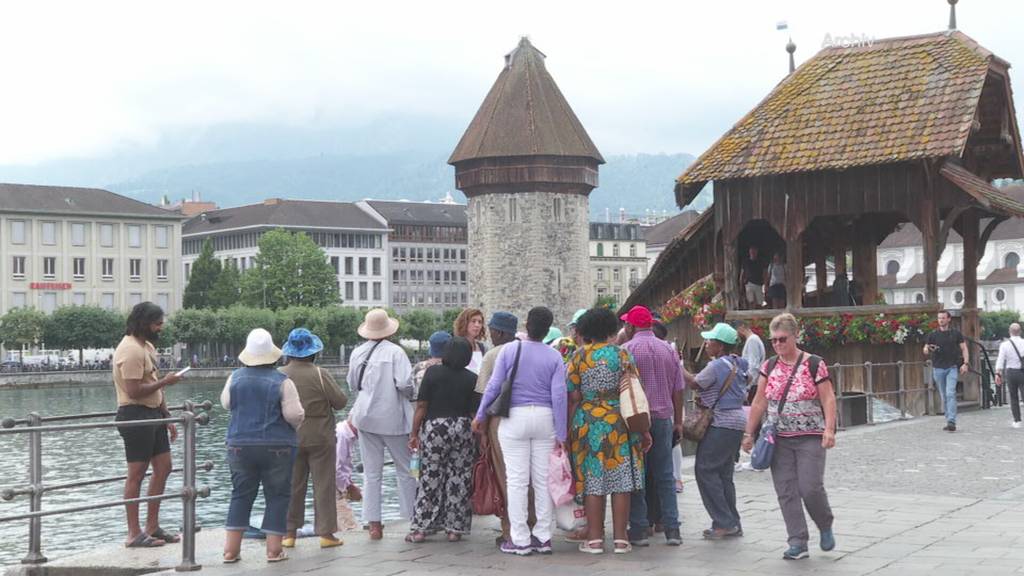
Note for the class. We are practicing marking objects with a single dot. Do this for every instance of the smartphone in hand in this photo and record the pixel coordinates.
(181, 373)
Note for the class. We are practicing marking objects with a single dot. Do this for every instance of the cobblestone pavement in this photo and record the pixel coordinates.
(909, 500)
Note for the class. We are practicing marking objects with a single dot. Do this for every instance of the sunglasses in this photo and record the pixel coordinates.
(779, 340)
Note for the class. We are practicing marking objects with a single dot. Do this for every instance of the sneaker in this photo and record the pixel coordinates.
(828, 540)
(796, 553)
(672, 537)
(1017, 424)
(509, 548)
(951, 427)
(540, 547)
(640, 541)
(948, 427)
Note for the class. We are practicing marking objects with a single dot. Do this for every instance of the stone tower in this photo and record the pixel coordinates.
(527, 167)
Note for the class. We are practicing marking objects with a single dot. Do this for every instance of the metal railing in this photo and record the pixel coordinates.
(33, 425)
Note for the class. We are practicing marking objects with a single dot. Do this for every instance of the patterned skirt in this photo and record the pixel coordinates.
(606, 458)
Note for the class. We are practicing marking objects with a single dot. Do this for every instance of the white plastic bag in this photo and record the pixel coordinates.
(570, 517)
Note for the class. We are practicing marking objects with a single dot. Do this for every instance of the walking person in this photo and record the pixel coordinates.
(261, 443)
(502, 328)
(722, 386)
(1009, 370)
(381, 376)
(470, 325)
(320, 397)
(607, 459)
(753, 352)
(140, 396)
(948, 351)
(795, 390)
(537, 419)
(441, 431)
(662, 378)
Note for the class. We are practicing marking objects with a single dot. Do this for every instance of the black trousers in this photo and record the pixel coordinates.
(1014, 380)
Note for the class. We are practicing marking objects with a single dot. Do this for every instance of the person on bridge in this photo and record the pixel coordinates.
(804, 431)
(261, 443)
(948, 350)
(380, 375)
(320, 397)
(140, 396)
(1009, 370)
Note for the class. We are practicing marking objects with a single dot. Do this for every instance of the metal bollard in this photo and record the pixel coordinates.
(188, 500)
(902, 390)
(869, 387)
(35, 479)
(929, 389)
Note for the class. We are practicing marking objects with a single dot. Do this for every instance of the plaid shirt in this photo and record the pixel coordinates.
(659, 370)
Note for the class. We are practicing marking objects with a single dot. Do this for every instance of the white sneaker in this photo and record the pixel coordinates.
(1017, 424)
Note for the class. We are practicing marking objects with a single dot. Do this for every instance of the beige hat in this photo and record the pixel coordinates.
(378, 325)
(259, 349)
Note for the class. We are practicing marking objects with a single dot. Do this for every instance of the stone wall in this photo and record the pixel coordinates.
(529, 249)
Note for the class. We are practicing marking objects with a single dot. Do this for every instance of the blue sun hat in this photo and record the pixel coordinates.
(437, 341)
(302, 344)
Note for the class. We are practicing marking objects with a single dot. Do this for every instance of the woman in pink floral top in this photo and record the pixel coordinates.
(804, 430)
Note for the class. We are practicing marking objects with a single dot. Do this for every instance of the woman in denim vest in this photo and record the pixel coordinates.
(265, 413)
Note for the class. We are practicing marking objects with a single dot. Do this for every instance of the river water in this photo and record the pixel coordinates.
(94, 453)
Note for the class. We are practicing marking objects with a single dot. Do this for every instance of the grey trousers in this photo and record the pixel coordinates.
(371, 447)
(798, 471)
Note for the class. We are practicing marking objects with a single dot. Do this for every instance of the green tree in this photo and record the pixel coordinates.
(81, 327)
(340, 324)
(447, 320)
(202, 278)
(194, 327)
(607, 301)
(290, 270)
(226, 290)
(418, 324)
(21, 327)
(996, 325)
(235, 323)
(298, 317)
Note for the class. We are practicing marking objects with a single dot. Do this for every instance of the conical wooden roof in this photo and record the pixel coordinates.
(524, 114)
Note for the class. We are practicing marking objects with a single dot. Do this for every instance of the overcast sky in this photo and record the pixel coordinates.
(80, 78)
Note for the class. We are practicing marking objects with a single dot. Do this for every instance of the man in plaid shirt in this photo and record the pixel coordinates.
(662, 379)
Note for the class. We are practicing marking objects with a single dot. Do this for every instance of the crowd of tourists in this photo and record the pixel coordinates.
(539, 428)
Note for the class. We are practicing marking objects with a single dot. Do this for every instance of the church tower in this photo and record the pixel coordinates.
(527, 167)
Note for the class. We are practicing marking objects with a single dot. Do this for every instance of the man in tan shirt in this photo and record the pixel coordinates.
(140, 396)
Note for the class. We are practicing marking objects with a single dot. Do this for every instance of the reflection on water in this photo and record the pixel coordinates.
(96, 453)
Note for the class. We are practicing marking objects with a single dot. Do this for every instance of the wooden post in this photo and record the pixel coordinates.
(927, 219)
(794, 267)
(865, 260)
(969, 230)
(731, 274)
(821, 273)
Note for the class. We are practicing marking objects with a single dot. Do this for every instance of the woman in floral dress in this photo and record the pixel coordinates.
(607, 459)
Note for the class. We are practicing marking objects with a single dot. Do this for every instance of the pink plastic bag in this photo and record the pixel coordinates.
(560, 482)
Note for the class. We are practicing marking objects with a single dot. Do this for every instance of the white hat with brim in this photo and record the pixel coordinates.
(377, 325)
(259, 349)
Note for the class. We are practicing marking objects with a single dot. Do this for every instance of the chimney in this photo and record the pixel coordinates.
(791, 48)
(952, 14)
(622, 215)
(271, 201)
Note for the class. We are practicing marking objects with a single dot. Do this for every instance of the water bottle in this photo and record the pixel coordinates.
(414, 465)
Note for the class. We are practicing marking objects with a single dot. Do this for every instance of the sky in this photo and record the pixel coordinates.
(83, 78)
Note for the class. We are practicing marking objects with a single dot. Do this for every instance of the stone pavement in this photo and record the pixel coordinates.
(909, 500)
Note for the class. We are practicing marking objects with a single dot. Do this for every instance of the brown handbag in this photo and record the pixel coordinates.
(696, 423)
(487, 498)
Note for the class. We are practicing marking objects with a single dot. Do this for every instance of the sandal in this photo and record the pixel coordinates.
(281, 557)
(414, 537)
(231, 559)
(144, 540)
(588, 547)
(167, 537)
(626, 547)
(576, 537)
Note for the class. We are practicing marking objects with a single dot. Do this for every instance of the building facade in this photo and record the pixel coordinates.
(354, 240)
(429, 259)
(67, 246)
(528, 184)
(618, 259)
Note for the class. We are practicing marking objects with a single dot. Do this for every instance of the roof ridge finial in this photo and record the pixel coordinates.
(791, 48)
(952, 14)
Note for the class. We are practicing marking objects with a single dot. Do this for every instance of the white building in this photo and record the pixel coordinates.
(355, 241)
(84, 246)
(657, 237)
(618, 259)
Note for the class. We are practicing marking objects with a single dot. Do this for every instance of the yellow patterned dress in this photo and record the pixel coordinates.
(606, 458)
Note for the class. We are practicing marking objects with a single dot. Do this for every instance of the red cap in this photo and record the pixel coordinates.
(638, 316)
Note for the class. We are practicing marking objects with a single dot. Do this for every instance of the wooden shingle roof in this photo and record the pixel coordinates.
(898, 99)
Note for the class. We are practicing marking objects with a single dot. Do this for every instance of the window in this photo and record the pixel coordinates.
(49, 233)
(78, 268)
(376, 266)
(160, 235)
(1012, 260)
(336, 264)
(362, 291)
(632, 250)
(49, 302)
(135, 269)
(556, 208)
(78, 299)
(161, 269)
(188, 270)
(892, 267)
(18, 267)
(348, 265)
(134, 298)
(350, 292)
(163, 301)
(362, 266)
(401, 254)
(376, 290)
(394, 276)
(462, 255)
(77, 234)
(107, 235)
(958, 297)
(108, 268)
(600, 250)
(49, 267)
(600, 274)
(616, 274)
(615, 250)
(17, 231)
(999, 295)
(134, 236)
(513, 212)
(634, 274)
(107, 300)
(19, 299)
(919, 298)
(462, 277)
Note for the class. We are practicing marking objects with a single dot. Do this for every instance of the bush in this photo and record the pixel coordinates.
(996, 325)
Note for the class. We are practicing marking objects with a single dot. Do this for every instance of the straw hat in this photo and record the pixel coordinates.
(259, 349)
(377, 325)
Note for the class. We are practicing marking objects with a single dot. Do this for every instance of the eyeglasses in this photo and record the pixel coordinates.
(779, 340)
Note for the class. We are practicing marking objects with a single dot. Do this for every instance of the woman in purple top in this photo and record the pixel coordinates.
(536, 421)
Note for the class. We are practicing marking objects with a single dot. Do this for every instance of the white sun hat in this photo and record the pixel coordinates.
(378, 325)
(259, 349)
